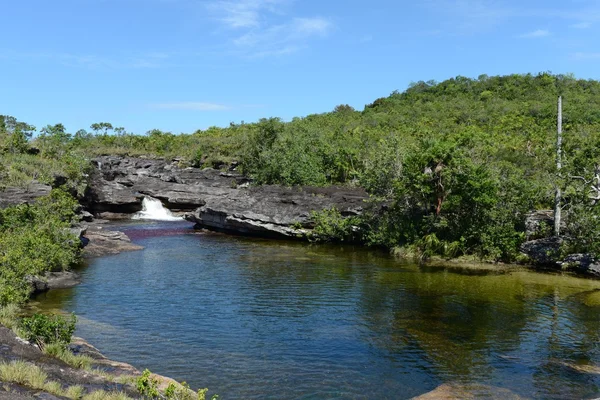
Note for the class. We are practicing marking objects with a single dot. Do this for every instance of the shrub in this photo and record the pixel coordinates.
(35, 239)
(332, 226)
(147, 386)
(44, 330)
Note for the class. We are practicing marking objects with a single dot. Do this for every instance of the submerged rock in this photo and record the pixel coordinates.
(457, 391)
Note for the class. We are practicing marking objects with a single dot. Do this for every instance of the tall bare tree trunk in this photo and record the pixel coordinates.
(558, 194)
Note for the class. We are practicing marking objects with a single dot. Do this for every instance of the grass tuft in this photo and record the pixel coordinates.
(76, 361)
(102, 395)
(75, 392)
(23, 373)
(9, 316)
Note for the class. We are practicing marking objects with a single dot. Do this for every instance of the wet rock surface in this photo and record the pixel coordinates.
(582, 263)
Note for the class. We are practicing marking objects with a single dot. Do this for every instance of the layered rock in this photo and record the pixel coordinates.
(12, 196)
(119, 184)
(273, 211)
(213, 199)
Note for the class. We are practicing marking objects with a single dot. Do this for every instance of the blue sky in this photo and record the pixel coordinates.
(182, 65)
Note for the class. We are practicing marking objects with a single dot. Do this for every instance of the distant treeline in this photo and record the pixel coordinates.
(456, 165)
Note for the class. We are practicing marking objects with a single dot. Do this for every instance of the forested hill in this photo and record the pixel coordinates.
(458, 163)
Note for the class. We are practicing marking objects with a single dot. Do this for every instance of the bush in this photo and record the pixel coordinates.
(147, 386)
(45, 330)
(332, 226)
(35, 239)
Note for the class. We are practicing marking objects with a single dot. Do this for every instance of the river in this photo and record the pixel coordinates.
(258, 319)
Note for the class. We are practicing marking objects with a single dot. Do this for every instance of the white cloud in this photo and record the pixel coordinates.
(586, 56)
(282, 39)
(243, 13)
(582, 25)
(474, 16)
(191, 105)
(263, 28)
(92, 61)
(540, 33)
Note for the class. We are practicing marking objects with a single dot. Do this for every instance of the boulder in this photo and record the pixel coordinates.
(103, 242)
(581, 263)
(543, 252)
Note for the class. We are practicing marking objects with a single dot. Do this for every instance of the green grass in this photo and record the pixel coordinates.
(9, 316)
(102, 395)
(74, 392)
(34, 377)
(76, 361)
(29, 375)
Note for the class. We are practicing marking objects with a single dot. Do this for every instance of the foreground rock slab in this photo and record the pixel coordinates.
(12, 348)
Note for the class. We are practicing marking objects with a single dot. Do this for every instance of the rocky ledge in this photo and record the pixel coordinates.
(212, 199)
(12, 348)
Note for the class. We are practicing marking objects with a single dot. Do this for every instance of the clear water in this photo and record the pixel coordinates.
(257, 319)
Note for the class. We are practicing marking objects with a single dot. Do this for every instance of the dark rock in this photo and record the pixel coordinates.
(38, 284)
(86, 216)
(540, 224)
(106, 195)
(59, 180)
(213, 199)
(12, 196)
(543, 252)
(273, 211)
(582, 263)
(54, 280)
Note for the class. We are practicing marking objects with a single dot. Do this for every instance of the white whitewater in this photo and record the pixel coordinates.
(154, 210)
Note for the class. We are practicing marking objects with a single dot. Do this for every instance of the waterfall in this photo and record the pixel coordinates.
(153, 209)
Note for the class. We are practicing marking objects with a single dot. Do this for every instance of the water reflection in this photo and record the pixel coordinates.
(259, 319)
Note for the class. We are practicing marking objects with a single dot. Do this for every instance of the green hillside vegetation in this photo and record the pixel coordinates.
(35, 239)
(457, 165)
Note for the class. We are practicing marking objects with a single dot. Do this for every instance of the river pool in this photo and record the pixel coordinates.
(258, 319)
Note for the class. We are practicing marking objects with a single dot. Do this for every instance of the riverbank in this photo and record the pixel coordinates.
(28, 373)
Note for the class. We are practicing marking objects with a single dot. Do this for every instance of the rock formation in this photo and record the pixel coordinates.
(212, 199)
